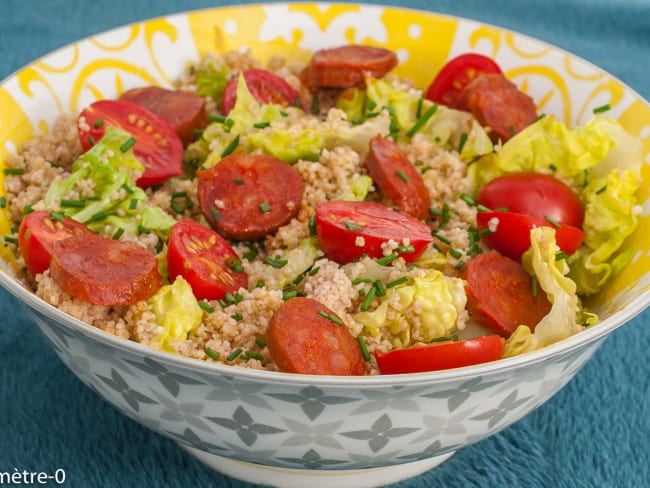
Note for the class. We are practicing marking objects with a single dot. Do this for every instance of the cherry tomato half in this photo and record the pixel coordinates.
(205, 260)
(450, 81)
(534, 194)
(38, 233)
(441, 355)
(265, 86)
(512, 235)
(157, 146)
(347, 229)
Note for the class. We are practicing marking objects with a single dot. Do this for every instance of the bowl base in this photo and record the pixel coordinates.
(314, 478)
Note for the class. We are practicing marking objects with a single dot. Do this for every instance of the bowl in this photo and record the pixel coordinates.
(290, 430)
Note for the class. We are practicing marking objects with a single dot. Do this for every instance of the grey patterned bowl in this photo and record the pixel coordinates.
(293, 430)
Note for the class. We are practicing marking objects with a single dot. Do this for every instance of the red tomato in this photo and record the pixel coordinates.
(265, 86)
(533, 194)
(448, 84)
(347, 230)
(38, 233)
(205, 260)
(441, 355)
(157, 146)
(512, 235)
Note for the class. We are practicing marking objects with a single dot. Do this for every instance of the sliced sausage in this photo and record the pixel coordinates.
(397, 178)
(500, 295)
(497, 103)
(346, 66)
(185, 111)
(104, 271)
(306, 337)
(247, 196)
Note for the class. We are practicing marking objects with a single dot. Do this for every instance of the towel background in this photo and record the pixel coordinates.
(593, 433)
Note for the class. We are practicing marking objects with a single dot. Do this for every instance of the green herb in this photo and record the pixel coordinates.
(57, 216)
(212, 353)
(368, 299)
(560, 256)
(276, 262)
(235, 354)
(265, 207)
(455, 253)
(288, 294)
(383, 261)
(73, 203)
(261, 125)
(128, 189)
(418, 108)
(230, 147)
(233, 299)
(601, 189)
(237, 316)
(315, 105)
(463, 140)
(118, 233)
(421, 122)
(552, 221)
(11, 240)
(260, 342)
(91, 140)
(533, 285)
(402, 176)
(452, 338)
(552, 167)
(143, 230)
(313, 271)
(175, 206)
(468, 199)
(205, 306)
(98, 216)
(91, 198)
(216, 216)
(235, 264)
(260, 284)
(216, 118)
(459, 265)
(330, 317)
(27, 209)
(357, 281)
(253, 355)
(402, 249)
(252, 251)
(98, 123)
(482, 208)
(239, 181)
(379, 286)
(312, 225)
(441, 238)
(396, 282)
(602, 108)
(13, 171)
(351, 225)
(128, 144)
(179, 194)
(364, 348)
(133, 204)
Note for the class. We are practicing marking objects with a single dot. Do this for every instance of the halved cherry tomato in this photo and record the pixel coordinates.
(347, 230)
(512, 235)
(265, 86)
(205, 260)
(441, 355)
(37, 234)
(534, 194)
(157, 145)
(448, 84)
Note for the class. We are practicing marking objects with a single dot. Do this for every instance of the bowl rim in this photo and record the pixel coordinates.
(577, 341)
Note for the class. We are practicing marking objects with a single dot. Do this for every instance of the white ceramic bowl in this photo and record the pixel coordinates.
(292, 430)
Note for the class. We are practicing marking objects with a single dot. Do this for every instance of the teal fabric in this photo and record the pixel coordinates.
(593, 433)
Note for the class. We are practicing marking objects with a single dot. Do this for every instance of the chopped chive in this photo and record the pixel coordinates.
(54, 165)
(265, 207)
(418, 108)
(511, 129)
(73, 203)
(313, 271)
(402, 249)
(315, 105)
(234, 355)
(11, 240)
(175, 206)
(601, 189)
(261, 125)
(469, 200)
(235, 264)
(552, 167)
(585, 177)
(451, 338)
(239, 181)
(455, 253)
(27, 209)
(364, 348)
(98, 216)
(230, 147)
(228, 123)
(260, 342)
(371, 105)
(435, 211)
(421, 122)
(602, 108)
(216, 118)
(57, 216)
(298, 279)
(118, 233)
(533, 285)
(482, 208)
(215, 214)
(461, 144)
(233, 299)
(260, 284)
(93, 198)
(205, 306)
(133, 204)
(539, 117)
(459, 265)
(288, 294)
(379, 286)
(441, 238)
(128, 144)
(98, 123)
(402, 176)
(276, 262)
(368, 299)
(330, 317)
(237, 316)
(351, 225)
(383, 261)
(143, 230)
(91, 140)
(179, 194)
(552, 221)
(446, 215)
(198, 132)
(14, 171)
(253, 355)
(222, 303)
(560, 256)
(357, 281)
(128, 189)
(312, 225)
(212, 353)
(484, 232)
(396, 282)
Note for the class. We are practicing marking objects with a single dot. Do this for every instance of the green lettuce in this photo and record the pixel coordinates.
(116, 200)
(211, 79)
(177, 312)
(426, 309)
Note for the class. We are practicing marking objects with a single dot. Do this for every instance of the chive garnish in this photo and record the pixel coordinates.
(552, 221)
(134, 203)
(143, 230)
(533, 285)
(91, 140)
(364, 348)
(239, 181)
(455, 253)
(212, 353)
(216, 216)
(216, 118)
(482, 208)
(11, 240)
(356, 281)
(383, 261)
(463, 140)
(468, 199)
(422, 120)
(128, 189)
(179, 194)
(234, 355)
(601, 189)
(27, 209)
(441, 238)
(205, 306)
(459, 265)
(446, 215)
(560, 256)
(351, 225)
(396, 282)
(402, 249)
(435, 211)
(368, 299)
(253, 355)
(313, 271)
(418, 109)
(260, 342)
(118, 233)
(230, 147)
(237, 316)
(402, 176)
(233, 299)
(73, 203)
(260, 284)
(57, 216)
(288, 294)
(312, 225)
(128, 144)
(235, 264)
(98, 123)
(552, 167)
(315, 105)
(98, 216)
(265, 207)
(379, 286)
(14, 171)
(174, 206)
(276, 262)
(330, 317)
(261, 125)
(602, 108)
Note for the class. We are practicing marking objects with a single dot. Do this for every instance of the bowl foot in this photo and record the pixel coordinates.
(299, 478)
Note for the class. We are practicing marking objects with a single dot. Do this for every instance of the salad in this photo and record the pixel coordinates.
(328, 218)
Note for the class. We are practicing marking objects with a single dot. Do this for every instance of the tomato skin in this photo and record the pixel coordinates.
(512, 236)
(534, 194)
(450, 81)
(38, 233)
(441, 355)
(378, 224)
(200, 255)
(157, 146)
(265, 86)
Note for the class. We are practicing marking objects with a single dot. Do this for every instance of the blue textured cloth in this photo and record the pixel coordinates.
(593, 433)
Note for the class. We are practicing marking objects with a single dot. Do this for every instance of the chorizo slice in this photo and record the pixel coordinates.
(247, 196)
(185, 111)
(104, 271)
(500, 295)
(497, 103)
(346, 66)
(397, 177)
(306, 337)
